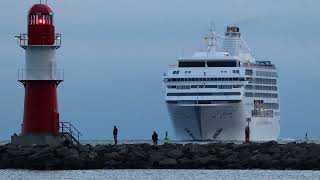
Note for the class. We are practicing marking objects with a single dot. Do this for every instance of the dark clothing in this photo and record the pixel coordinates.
(155, 138)
(247, 133)
(115, 131)
(115, 135)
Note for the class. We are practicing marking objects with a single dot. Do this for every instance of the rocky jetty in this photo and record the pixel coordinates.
(270, 155)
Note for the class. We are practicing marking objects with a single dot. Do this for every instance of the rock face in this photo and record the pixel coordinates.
(269, 155)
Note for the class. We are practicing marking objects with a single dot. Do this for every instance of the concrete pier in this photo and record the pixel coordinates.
(269, 155)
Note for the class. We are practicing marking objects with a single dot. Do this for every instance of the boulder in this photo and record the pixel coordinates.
(203, 161)
(168, 163)
(139, 155)
(175, 153)
(185, 162)
(112, 156)
(112, 164)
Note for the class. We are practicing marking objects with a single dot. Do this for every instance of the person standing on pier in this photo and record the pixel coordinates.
(115, 135)
(306, 136)
(155, 138)
(247, 131)
(247, 134)
(166, 138)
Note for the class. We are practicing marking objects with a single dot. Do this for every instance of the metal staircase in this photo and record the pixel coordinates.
(70, 132)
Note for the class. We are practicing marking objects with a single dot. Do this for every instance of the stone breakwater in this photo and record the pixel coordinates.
(270, 155)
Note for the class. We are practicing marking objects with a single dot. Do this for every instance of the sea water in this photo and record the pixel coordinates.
(160, 174)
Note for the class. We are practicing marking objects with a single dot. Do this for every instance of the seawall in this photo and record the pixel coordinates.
(269, 155)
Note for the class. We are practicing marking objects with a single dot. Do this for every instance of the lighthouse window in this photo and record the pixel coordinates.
(40, 19)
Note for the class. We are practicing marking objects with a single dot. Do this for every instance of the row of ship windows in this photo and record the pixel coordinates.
(189, 72)
(248, 87)
(258, 87)
(203, 102)
(262, 81)
(251, 80)
(264, 95)
(269, 106)
(260, 104)
(262, 113)
(249, 72)
(206, 94)
(203, 79)
(204, 86)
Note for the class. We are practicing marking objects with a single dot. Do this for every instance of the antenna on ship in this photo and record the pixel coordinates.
(212, 39)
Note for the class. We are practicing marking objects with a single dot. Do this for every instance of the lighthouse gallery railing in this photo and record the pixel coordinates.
(23, 41)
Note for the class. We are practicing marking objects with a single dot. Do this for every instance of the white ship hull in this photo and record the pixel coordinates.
(225, 122)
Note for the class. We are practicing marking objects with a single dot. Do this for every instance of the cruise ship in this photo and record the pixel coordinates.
(215, 94)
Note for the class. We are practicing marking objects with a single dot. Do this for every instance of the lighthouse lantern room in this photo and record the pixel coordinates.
(40, 78)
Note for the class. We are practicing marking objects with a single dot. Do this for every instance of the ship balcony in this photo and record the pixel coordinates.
(23, 41)
(41, 74)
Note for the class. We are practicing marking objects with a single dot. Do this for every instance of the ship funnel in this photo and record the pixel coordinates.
(232, 41)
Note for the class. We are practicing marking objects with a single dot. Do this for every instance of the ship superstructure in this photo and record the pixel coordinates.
(215, 94)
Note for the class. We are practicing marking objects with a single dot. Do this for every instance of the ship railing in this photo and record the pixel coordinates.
(267, 66)
(41, 74)
(23, 41)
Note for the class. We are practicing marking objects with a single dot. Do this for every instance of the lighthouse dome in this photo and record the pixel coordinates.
(42, 9)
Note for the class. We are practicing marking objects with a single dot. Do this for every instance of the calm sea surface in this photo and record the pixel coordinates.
(159, 174)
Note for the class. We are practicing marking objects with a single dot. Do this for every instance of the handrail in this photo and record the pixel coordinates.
(23, 41)
(74, 132)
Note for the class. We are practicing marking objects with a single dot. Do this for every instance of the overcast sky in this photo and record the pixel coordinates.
(114, 54)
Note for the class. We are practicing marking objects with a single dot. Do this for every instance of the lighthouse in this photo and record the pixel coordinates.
(40, 79)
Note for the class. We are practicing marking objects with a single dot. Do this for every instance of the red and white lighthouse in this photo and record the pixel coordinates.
(40, 78)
